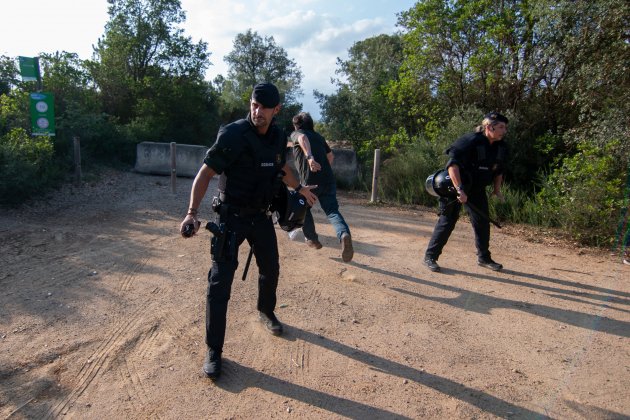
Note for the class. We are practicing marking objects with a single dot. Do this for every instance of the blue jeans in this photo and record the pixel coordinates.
(327, 198)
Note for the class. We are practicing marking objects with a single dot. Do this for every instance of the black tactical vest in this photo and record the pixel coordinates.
(249, 182)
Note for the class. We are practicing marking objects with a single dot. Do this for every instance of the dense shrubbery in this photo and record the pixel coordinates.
(584, 194)
(27, 165)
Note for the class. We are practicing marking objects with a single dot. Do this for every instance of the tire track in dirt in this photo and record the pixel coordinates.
(99, 361)
(127, 279)
(299, 355)
(178, 328)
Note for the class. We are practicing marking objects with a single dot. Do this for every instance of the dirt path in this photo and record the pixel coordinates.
(102, 316)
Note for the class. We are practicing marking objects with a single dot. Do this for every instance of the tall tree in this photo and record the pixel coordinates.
(359, 111)
(142, 41)
(151, 76)
(256, 59)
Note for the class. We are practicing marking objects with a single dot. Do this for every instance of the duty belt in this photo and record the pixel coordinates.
(237, 210)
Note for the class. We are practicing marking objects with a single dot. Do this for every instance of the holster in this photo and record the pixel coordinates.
(223, 242)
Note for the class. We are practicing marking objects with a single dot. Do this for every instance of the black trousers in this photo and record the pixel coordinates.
(449, 214)
(259, 232)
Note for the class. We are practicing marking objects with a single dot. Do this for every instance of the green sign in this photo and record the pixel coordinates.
(29, 68)
(42, 114)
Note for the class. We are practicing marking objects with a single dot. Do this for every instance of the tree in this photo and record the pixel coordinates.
(255, 59)
(8, 74)
(151, 77)
(359, 111)
(142, 43)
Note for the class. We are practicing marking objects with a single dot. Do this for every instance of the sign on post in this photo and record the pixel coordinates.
(42, 107)
(29, 68)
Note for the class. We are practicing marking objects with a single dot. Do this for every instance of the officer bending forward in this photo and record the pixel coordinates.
(480, 157)
(249, 155)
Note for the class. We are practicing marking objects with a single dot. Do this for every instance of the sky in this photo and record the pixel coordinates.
(314, 33)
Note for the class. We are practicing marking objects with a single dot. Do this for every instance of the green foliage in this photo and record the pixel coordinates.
(359, 112)
(518, 207)
(144, 57)
(8, 74)
(27, 166)
(403, 176)
(583, 195)
(253, 60)
(14, 112)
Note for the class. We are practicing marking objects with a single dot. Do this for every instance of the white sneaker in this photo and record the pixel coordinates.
(294, 235)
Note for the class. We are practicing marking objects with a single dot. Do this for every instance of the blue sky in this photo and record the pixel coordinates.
(313, 32)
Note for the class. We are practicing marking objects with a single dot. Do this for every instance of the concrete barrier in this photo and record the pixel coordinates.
(155, 158)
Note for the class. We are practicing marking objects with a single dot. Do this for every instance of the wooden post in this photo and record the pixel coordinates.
(77, 160)
(377, 165)
(173, 167)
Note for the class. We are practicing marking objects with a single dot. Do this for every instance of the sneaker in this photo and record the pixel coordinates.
(212, 364)
(488, 263)
(432, 264)
(314, 243)
(347, 252)
(271, 323)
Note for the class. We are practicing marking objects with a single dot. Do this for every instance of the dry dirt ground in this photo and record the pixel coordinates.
(102, 317)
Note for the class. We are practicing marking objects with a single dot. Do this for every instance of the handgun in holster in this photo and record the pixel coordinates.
(223, 242)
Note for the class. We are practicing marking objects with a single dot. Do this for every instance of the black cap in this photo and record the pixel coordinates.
(495, 117)
(266, 94)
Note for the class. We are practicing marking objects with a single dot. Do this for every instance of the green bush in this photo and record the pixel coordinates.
(403, 176)
(518, 207)
(27, 166)
(102, 139)
(584, 194)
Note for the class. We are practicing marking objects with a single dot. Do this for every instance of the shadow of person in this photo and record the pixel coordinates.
(484, 304)
(238, 378)
(235, 378)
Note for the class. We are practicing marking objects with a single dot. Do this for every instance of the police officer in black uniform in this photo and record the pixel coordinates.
(249, 155)
(479, 158)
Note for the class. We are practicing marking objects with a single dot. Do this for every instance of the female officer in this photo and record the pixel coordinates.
(480, 157)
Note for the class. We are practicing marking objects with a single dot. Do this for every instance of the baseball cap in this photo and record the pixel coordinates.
(266, 94)
(495, 117)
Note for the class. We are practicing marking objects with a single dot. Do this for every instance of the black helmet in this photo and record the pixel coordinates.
(290, 208)
(439, 184)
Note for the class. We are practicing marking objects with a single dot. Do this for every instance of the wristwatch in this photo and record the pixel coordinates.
(309, 157)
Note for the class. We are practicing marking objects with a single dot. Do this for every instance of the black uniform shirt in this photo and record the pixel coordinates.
(477, 158)
(249, 163)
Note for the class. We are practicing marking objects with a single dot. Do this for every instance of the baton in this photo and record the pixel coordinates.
(249, 260)
(482, 214)
(479, 212)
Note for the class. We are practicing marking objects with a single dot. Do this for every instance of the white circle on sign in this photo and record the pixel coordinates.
(41, 106)
(42, 122)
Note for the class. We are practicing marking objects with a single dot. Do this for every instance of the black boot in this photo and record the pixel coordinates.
(212, 364)
(432, 264)
(488, 263)
(271, 323)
